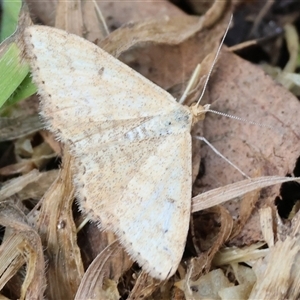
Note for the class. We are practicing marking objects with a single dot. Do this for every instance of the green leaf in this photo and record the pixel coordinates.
(24, 90)
(10, 17)
(13, 71)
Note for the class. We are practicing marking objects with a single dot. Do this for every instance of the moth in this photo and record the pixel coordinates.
(130, 140)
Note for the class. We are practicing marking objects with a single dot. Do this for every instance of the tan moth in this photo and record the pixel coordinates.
(131, 143)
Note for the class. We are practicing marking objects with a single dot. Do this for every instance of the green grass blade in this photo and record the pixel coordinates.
(10, 17)
(13, 71)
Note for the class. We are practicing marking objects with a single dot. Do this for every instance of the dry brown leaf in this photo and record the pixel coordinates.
(14, 128)
(234, 190)
(167, 31)
(115, 13)
(51, 141)
(58, 233)
(247, 204)
(232, 255)
(216, 196)
(28, 157)
(37, 189)
(79, 17)
(266, 224)
(18, 168)
(92, 285)
(93, 241)
(144, 287)
(15, 185)
(118, 13)
(246, 279)
(44, 10)
(220, 230)
(242, 89)
(21, 245)
(169, 61)
(69, 16)
(284, 256)
(206, 287)
(95, 26)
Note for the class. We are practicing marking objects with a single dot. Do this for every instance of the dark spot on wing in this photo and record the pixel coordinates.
(100, 72)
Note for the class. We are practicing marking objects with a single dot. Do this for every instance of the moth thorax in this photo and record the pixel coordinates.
(198, 112)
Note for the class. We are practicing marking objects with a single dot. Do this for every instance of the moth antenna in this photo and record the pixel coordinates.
(221, 155)
(239, 119)
(214, 61)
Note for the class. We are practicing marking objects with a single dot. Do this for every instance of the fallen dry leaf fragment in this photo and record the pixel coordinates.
(277, 274)
(11, 129)
(15, 185)
(92, 241)
(92, 285)
(69, 17)
(36, 190)
(234, 190)
(232, 255)
(144, 287)
(55, 225)
(28, 157)
(246, 279)
(272, 283)
(167, 31)
(21, 245)
(206, 287)
(209, 241)
(266, 224)
(118, 13)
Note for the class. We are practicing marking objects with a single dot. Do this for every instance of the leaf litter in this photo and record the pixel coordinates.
(257, 150)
